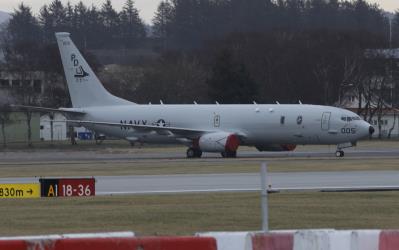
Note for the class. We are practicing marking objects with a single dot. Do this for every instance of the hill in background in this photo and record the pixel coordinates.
(4, 16)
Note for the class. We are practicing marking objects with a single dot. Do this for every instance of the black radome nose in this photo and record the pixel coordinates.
(371, 130)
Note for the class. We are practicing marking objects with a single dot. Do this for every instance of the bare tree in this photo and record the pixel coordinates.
(4, 121)
(25, 94)
(393, 124)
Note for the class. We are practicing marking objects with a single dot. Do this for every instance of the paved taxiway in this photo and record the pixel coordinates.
(107, 185)
(95, 156)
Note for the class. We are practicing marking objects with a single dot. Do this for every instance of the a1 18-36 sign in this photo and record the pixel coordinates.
(64, 187)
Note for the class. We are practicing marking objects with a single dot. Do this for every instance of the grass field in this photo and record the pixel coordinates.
(187, 214)
(184, 166)
(124, 146)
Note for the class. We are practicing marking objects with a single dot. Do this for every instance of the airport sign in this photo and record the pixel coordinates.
(68, 187)
(19, 191)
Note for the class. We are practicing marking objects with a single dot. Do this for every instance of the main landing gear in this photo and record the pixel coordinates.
(197, 153)
(194, 153)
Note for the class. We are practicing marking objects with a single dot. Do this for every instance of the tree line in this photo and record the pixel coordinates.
(186, 23)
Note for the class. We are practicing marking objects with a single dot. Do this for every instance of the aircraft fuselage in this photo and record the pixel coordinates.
(261, 124)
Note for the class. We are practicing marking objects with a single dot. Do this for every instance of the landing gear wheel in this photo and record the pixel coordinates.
(198, 153)
(190, 153)
(229, 154)
(193, 153)
(339, 153)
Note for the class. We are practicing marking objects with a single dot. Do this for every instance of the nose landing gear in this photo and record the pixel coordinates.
(340, 153)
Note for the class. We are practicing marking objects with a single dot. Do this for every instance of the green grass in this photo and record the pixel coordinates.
(190, 213)
(122, 146)
(185, 166)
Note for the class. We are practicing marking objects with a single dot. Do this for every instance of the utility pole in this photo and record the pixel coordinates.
(264, 200)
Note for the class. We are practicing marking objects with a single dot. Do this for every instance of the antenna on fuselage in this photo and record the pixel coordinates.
(217, 103)
(277, 103)
(255, 103)
(300, 102)
(161, 102)
(195, 103)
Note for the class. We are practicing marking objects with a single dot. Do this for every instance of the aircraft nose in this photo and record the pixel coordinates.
(371, 130)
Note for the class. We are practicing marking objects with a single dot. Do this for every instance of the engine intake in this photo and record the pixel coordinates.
(219, 142)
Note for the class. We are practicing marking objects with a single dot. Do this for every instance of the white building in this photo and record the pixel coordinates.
(60, 129)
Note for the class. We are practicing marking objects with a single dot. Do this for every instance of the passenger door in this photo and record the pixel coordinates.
(325, 121)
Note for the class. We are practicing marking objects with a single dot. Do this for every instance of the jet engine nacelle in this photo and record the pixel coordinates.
(276, 147)
(219, 142)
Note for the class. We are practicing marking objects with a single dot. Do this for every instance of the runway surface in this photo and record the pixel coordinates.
(113, 185)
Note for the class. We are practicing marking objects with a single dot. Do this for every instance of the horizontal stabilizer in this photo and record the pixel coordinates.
(47, 110)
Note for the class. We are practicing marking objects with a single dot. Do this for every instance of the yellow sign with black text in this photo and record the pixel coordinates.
(19, 191)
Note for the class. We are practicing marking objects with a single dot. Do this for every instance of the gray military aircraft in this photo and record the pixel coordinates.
(203, 128)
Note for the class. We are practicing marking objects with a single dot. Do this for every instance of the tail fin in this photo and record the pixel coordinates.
(84, 87)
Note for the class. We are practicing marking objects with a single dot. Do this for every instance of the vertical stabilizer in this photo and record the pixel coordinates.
(84, 87)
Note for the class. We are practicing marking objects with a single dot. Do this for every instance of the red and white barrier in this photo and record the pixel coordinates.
(231, 240)
(365, 239)
(327, 239)
(176, 243)
(103, 242)
(389, 240)
(273, 241)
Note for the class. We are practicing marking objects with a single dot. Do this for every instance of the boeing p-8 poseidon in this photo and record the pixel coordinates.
(203, 128)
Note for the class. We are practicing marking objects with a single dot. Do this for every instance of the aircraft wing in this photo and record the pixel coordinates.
(162, 130)
(48, 110)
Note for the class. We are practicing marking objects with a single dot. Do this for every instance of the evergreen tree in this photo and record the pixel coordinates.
(131, 25)
(95, 29)
(80, 24)
(22, 40)
(59, 15)
(110, 21)
(46, 22)
(163, 20)
(53, 18)
(230, 82)
(395, 30)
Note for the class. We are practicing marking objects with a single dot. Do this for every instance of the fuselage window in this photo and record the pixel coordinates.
(299, 120)
(282, 120)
